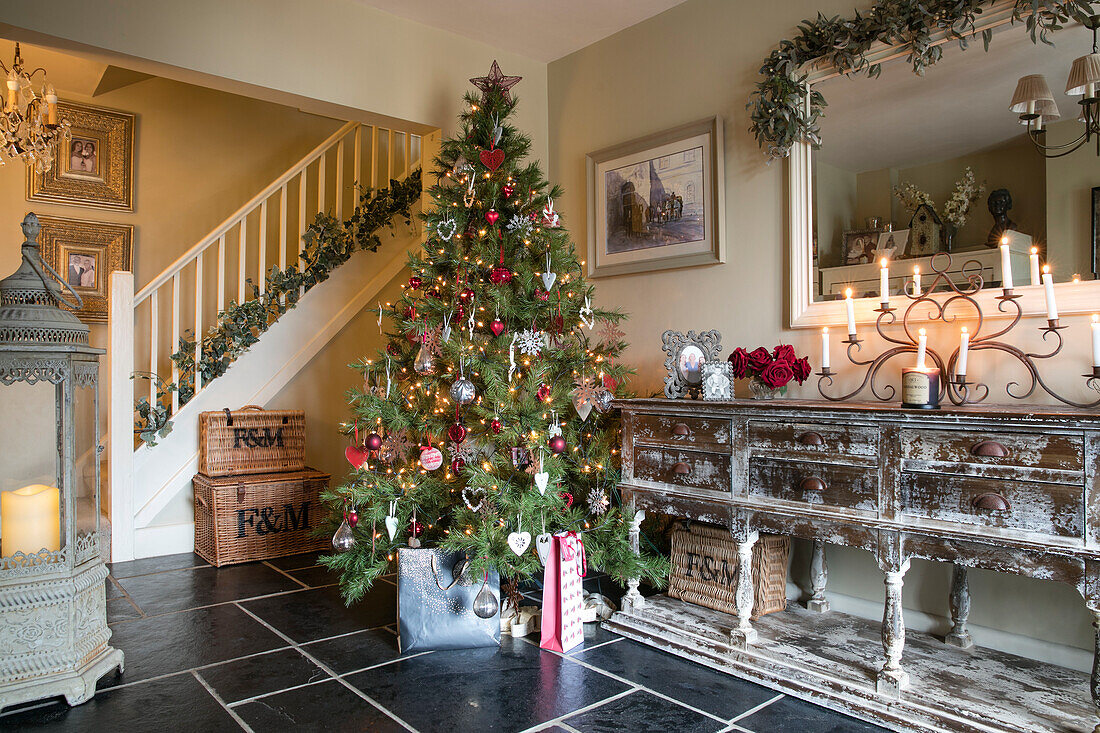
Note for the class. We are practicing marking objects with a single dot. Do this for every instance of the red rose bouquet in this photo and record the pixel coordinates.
(769, 371)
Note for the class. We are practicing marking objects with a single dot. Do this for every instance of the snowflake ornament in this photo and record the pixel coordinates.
(585, 390)
(520, 225)
(610, 334)
(598, 502)
(530, 342)
(395, 446)
(467, 450)
(433, 340)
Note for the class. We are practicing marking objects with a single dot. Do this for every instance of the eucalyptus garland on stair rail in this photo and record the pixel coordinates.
(780, 116)
(327, 244)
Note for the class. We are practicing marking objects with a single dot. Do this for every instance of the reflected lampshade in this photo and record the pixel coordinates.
(1084, 76)
(1033, 96)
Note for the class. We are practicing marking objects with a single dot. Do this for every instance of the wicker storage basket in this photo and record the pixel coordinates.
(251, 440)
(258, 516)
(704, 569)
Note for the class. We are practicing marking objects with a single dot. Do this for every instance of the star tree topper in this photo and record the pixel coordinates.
(495, 79)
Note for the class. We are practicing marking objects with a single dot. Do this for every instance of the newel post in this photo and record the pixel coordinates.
(120, 414)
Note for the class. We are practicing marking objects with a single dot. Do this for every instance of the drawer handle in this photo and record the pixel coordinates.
(812, 483)
(990, 449)
(811, 438)
(992, 503)
(680, 430)
(681, 468)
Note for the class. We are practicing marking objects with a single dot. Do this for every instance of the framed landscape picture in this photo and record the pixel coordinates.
(95, 164)
(84, 254)
(657, 202)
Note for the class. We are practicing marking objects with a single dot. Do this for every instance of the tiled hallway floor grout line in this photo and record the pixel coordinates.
(224, 603)
(355, 690)
(226, 708)
(280, 571)
(578, 711)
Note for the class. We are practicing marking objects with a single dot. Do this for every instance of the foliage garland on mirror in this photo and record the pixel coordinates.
(780, 118)
(327, 244)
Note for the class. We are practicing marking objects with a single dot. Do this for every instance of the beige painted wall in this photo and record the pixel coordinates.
(835, 202)
(1070, 181)
(696, 60)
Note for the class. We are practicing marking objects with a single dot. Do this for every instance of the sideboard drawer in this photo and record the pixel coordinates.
(827, 438)
(678, 467)
(852, 487)
(1051, 509)
(1027, 450)
(700, 433)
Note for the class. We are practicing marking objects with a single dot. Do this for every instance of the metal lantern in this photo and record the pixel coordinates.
(53, 617)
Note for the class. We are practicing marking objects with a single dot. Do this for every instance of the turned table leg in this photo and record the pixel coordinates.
(960, 609)
(892, 679)
(633, 598)
(744, 634)
(819, 576)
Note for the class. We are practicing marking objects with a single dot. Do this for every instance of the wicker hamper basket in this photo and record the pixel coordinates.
(704, 569)
(251, 440)
(258, 516)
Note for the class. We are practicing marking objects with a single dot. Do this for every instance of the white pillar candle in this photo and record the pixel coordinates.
(922, 347)
(825, 348)
(916, 279)
(884, 284)
(851, 309)
(1006, 265)
(1095, 340)
(30, 519)
(1035, 279)
(1048, 285)
(51, 105)
(964, 349)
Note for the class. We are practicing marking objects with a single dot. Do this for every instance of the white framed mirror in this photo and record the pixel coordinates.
(890, 142)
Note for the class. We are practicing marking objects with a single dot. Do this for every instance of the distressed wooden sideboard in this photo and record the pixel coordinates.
(1005, 488)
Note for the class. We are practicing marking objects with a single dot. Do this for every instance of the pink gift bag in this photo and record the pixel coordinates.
(562, 594)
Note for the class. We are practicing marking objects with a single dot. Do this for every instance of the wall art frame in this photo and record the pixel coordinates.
(95, 163)
(685, 355)
(85, 253)
(657, 202)
(1096, 233)
(717, 381)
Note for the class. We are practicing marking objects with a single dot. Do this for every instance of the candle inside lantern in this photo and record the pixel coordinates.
(922, 347)
(1095, 340)
(1006, 265)
(850, 306)
(884, 283)
(825, 347)
(1035, 279)
(916, 279)
(964, 349)
(1048, 285)
(30, 520)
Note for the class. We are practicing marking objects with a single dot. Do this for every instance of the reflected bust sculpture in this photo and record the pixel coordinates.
(999, 203)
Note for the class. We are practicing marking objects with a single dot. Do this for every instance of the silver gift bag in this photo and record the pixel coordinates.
(435, 601)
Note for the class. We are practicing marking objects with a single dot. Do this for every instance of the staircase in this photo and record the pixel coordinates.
(145, 327)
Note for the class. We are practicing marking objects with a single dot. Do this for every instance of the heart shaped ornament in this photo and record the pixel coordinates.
(519, 542)
(467, 493)
(391, 527)
(542, 478)
(356, 454)
(491, 216)
(446, 228)
(543, 543)
(492, 159)
(548, 279)
(497, 327)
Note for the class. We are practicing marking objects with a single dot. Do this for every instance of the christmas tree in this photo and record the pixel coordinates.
(486, 419)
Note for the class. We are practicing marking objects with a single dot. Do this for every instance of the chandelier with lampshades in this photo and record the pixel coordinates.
(29, 124)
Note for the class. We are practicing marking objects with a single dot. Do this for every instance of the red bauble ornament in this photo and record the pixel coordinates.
(457, 465)
(415, 282)
(496, 326)
(492, 159)
(393, 349)
(610, 383)
(415, 528)
(353, 518)
(460, 312)
(500, 275)
(509, 189)
(567, 498)
(542, 295)
(491, 216)
(496, 425)
(410, 312)
(457, 432)
(466, 295)
(557, 445)
(374, 441)
(544, 392)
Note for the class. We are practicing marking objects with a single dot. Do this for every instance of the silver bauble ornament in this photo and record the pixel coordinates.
(603, 400)
(486, 604)
(343, 540)
(462, 391)
(424, 364)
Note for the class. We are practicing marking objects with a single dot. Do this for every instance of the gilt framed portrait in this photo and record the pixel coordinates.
(657, 202)
(94, 166)
(84, 254)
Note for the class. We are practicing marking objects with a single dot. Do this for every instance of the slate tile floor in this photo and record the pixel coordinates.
(271, 647)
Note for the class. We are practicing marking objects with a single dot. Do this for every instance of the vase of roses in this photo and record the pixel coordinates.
(769, 372)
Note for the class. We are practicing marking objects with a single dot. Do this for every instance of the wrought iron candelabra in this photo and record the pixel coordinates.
(955, 387)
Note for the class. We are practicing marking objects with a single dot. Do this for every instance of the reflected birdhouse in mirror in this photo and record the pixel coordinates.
(925, 229)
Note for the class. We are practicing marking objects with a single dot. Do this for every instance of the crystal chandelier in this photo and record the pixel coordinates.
(29, 128)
